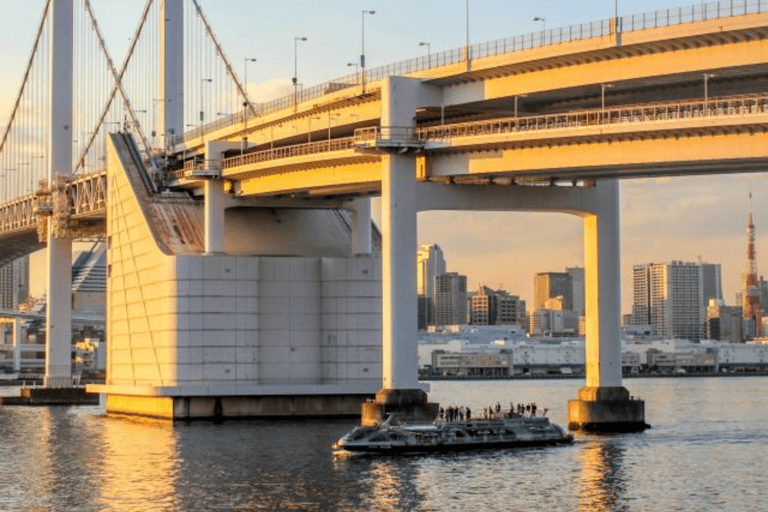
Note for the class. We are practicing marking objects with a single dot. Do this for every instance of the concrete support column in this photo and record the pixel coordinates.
(400, 395)
(604, 404)
(361, 226)
(172, 72)
(399, 246)
(58, 358)
(214, 216)
(602, 289)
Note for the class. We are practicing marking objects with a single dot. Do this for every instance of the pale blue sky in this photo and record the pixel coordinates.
(662, 219)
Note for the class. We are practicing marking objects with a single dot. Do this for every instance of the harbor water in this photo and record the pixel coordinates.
(707, 450)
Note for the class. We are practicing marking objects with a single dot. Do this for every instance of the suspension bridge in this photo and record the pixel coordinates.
(245, 277)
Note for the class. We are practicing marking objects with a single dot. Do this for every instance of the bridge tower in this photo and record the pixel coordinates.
(172, 69)
(58, 369)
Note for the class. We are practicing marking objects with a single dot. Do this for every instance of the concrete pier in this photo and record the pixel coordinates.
(51, 396)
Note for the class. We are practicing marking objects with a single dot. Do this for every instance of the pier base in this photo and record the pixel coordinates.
(191, 408)
(52, 396)
(402, 404)
(606, 409)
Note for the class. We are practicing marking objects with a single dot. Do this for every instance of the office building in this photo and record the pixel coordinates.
(496, 307)
(547, 285)
(429, 264)
(724, 323)
(14, 284)
(577, 288)
(671, 297)
(450, 299)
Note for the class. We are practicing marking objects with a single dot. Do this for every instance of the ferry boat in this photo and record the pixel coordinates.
(445, 436)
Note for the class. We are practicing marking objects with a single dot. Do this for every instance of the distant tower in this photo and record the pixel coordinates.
(750, 291)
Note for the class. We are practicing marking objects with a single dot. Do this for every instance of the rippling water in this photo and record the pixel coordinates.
(707, 450)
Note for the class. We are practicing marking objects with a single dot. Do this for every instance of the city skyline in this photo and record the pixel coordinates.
(663, 219)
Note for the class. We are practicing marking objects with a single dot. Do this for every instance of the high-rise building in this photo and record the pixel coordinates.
(547, 285)
(450, 299)
(430, 264)
(724, 322)
(510, 309)
(496, 307)
(577, 287)
(671, 297)
(14, 283)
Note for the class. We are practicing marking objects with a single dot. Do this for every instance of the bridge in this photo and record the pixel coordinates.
(244, 272)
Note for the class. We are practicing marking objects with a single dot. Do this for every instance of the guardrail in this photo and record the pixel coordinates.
(737, 105)
(667, 111)
(553, 36)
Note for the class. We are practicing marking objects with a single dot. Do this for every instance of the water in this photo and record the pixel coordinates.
(707, 450)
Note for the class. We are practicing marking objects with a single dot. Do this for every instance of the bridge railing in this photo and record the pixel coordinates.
(553, 36)
(737, 105)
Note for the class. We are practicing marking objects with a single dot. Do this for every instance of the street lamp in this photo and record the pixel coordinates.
(362, 53)
(429, 52)
(707, 76)
(357, 68)
(245, 75)
(543, 27)
(202, 109)
(603, 87)
(296, 69)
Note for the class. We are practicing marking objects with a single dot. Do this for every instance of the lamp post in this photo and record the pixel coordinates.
(603, 87)
(357, 68)
(202, 107)
(429, 52)
(245, 75)
(707, 76)
(296, 69)
(543, 27)
(362, 53)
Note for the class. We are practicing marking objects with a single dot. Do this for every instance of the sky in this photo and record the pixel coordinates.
(662, 219)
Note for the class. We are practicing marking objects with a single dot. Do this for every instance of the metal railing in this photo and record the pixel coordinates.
(666, 111)
(384, 133)
(310, 148)
(553, 36)
(736, 105)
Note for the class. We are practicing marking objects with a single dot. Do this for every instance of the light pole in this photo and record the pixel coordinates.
(429, 52)
(357, 69)
(707, 76)
(543, 27)
(296, 69)
(603, 87)
(202, 107)
(362, 53)
(245, 75)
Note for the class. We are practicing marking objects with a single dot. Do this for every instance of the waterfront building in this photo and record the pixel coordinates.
(430, 264)
(554, 322)
(672, 296)
(547, 285)
(14, 283)
(450, 299)
(495, 307)
(577, 288)
(724, 322)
